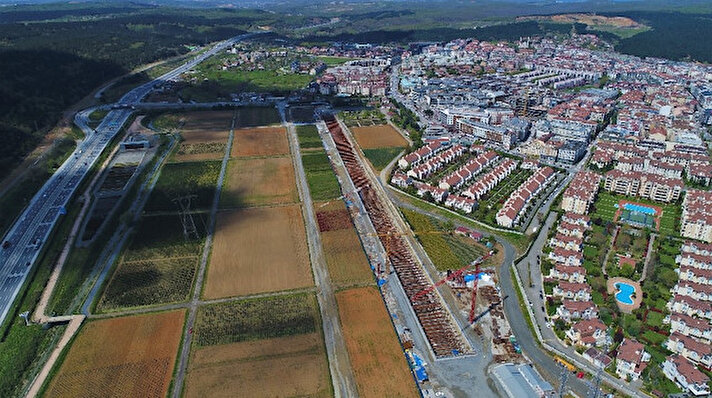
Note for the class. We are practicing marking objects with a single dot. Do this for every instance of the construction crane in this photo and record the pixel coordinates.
(387, 246)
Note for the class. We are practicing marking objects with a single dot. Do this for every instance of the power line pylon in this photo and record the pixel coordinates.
(186, 218)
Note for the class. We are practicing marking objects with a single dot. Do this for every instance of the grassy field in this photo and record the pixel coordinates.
(308, 137)
(149, 282)
(447, 252)
(345, 258)
(220, 83)
(606, 210)
(121, 357)
(380, 157)
(253, 116)
(334, 61)
(181, 179)
(256, 319)
(374, 349)
(258, 250)
(322, 182)
(203, 134)
(258, 182)
(263, 141)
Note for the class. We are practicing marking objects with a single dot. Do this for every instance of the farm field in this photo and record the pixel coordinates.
(259, 181)
(261, 141)
(447, 252)
(379, 136)
(204, 135)
(162, 237)
(374, 349)
(252, 116)
(258, 250)
(262, 347)
(121, 357)
(181, 179)
(308, 137)
(345, 258)
(380, 157)
(149, 282)
(322, 182)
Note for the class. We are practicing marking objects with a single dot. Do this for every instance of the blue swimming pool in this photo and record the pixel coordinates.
(625, 293)
(640, 208)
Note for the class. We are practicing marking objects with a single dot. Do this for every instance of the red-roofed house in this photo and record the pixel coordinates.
(631, 360)
(588, 333)
(686, 375)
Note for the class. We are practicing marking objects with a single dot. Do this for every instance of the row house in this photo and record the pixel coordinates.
(631, 359)
(588, 333)
(469, 170)
(490, 180)
(573, 291)
(691, 327)
(696, 291)
(434, 164)
(576, 219)
(703, 249)
(566, 242)
(515, 205)
(568, 274)
(460, 203)
(696, 351)
(665, 169)
(696, 220)
(686, 375)
(421, 155)
(570, 258)
(645, 185)
(700, 172)
(690, 306)
(569, 229)
(696, 275)
(695, 260)
(581, 192)
(401, 180)
(571, 310)
(437, 194)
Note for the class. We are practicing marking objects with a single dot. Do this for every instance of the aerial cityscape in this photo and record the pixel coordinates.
(356, 199)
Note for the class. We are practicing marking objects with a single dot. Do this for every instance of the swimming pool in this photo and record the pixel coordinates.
(625, 293)
(640, 209)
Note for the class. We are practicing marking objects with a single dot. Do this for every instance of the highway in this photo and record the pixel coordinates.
(24, 241)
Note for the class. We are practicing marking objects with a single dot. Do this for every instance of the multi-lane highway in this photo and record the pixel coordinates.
(24, 241)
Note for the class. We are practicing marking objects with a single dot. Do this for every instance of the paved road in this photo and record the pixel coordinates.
(28, 235)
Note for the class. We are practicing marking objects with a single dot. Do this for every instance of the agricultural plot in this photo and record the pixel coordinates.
(259, 181)
(149, 282)
(380, 136)
(162, 237)
(446, 251)
(322, 182)
(263, 141)
(260, 347)
(182, 179)
(345, 258)
(381, 157)
(121, 357)
(204, 135)
(258, 250)
(252, 116)
(308, 137)
(373, 346)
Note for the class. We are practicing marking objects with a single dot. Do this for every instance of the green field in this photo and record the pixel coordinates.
(322, 182)
(181, 179)
(256, 319)
(221, 84)
(447, 252)
(335, 61)
(308, 137)
(380, 157)
(162, 237)
(252, 116)
(149, 282)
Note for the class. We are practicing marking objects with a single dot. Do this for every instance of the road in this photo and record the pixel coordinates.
(25, 240)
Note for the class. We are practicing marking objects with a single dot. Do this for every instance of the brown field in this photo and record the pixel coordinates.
(373, 346)
(204, 136)
(262, 141)
(381, 136)
(258, 250)
(207, 120)
(121, 357)
(259, 181)
(278, 367)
